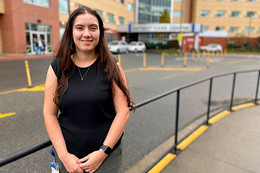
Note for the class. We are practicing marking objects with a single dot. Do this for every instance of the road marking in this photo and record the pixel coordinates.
(192, 137)
(168, 69)
(239, 61)
(163, 163)
(36, 88)
(7, 114)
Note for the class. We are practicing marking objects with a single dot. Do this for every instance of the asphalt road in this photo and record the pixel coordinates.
(149, 126)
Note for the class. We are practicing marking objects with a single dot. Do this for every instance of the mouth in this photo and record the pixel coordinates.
(86, 41)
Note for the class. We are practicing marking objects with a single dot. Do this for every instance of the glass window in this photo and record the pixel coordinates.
(129, 6)
(206, 28)
(250, 14)
(42, 3)
(219, 28)
(62, 30)
(122, 1)
(79, 5)
(235, 14)
(177, 13)
(121, 20)
(204, 13)
(64, 6)
(251, 0)
(233, 29)
(100, 13)
(248, 30)
(220, 13)
(110, 18)
(27, 26)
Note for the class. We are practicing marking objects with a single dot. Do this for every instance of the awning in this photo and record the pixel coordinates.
(109, 31)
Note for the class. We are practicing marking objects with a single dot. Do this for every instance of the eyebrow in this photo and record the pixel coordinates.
(89, 25)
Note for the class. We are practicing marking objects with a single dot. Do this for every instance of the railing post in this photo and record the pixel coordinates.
(177, 119)
(233, 90)
(209, 100)
(257, 86)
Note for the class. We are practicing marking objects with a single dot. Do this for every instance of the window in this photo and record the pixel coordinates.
(121, 20)
(42, 3)
(110, 18)
(219, 28)
(248, 30)
(129, 6)
(250, 14)
(259, 30)
(251, 0)
(204, 13)
(233, 29)
(122, 1)
(235, 14)
(64, 6)
(220, 13)
(177, 13)
(62, 30)
(100, 13)
(206, 28)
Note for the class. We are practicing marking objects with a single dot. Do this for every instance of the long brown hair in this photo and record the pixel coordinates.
(105, 60)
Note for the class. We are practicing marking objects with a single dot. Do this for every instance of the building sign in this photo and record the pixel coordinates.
(160, 28)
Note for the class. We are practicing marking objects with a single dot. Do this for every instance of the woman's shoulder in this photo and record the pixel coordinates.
(56, 65)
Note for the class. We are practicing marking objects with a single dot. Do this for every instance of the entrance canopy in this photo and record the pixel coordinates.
(160, 28)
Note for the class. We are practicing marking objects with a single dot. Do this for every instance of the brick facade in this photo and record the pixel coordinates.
(17, 13)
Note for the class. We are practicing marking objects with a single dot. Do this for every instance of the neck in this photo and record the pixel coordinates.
(84, 59)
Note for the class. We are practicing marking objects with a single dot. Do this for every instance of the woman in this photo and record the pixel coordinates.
(89, 88)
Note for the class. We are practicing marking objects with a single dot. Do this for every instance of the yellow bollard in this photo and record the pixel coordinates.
(144, 60)
(162, 59)
(198, 55)
(204, 54)
(28, 73)
(208, 59)
(225, 52)
(119, 59)
(185, 59)
(192, 55)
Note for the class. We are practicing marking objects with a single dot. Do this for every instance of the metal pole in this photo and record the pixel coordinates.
(144, 61)
(177, 118)
(185, 59)
(119, 59)
(162, 59)
(257, 87)
(209, 100)
(233, 90)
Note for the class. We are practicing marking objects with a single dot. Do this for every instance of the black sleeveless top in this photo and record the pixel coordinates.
(86, 109)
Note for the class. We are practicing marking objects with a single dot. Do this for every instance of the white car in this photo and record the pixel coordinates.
(212, 47)
(136, 46)
(118, 47)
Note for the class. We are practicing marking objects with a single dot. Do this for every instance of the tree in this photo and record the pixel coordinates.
(164, 17)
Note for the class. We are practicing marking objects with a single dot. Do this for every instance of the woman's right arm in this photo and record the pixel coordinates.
(50, 111)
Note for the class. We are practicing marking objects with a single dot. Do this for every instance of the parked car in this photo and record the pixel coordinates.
(136, 46)
(211, 47)
(118, 47)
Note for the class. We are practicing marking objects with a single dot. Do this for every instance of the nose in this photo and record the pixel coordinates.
(86, 33)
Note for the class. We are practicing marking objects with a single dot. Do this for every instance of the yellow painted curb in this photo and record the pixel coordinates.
(218, 117)
(186, 142)
(163, 163)
(7, 114)
(235, 108)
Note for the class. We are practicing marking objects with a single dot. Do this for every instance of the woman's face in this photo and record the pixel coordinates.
(85, 32)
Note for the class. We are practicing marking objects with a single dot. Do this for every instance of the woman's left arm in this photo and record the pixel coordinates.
(95, 159)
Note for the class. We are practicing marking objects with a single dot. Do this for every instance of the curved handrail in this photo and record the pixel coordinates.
(27, 151)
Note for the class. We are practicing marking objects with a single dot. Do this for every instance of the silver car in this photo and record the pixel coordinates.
(118, 47)
(212, 47)
(136, 46)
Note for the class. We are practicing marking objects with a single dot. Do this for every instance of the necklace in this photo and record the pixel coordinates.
(82, 77)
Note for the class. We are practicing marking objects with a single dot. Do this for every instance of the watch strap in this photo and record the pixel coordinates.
(106, 149)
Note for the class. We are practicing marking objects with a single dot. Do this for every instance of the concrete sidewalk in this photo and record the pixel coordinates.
(11, 57)
(231, 145)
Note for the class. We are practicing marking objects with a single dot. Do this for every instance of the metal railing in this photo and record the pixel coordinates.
(22, 153)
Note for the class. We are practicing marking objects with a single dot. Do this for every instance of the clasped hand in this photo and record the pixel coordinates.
(89, 164)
